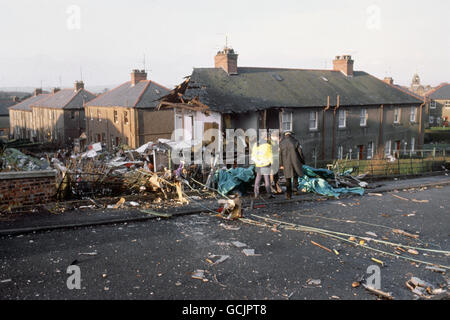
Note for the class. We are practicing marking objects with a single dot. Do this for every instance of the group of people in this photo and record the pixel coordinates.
(291, 160)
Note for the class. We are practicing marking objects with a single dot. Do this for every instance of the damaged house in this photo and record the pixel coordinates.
(334, 113)
(127, 115)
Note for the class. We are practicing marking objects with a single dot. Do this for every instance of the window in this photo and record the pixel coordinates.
(413, 144)
(342, 118)
(397, 115)
(72, 114)
(286, 120)
(370, 150)
(387, 148)
(116, 118)
(433, 105)
(431, 119)
(363, 118)
(340, 154)
(125, 117)
(413, 114)
(313, 120)
(92, 114)
(447, 104)
(99, 115)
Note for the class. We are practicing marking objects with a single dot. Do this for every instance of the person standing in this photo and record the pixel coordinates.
(291, 161)
(262, 157)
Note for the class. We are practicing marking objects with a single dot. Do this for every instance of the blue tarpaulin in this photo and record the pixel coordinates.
(234, 179)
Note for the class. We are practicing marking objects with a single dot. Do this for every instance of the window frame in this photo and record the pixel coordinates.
(284, 121)
(365, 117)
(316, 120)
(398, 113)
(344, 112)
(413, 113)
(432, 104)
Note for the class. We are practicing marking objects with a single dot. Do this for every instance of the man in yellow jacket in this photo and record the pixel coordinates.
(262, 157)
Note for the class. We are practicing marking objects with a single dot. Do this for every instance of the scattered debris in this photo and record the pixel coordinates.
(398, 231)
(6, 280)
(420, 201)
(375, 194)
(378, 261)
(356, 284)
(435, 269)
(372, 234)
(412, 251)
(232, 208)
(320, 246)
(423, 289)
(228, 227)
(238, 244)
(199, 274)
(314, 282)
(385, 295)
(398, 197)
(221, 259)
(88, 253)
(250, 253)
(119, 203)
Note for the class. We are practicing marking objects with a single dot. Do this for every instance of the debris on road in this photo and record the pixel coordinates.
(423, 288)
(320, 246)
(199, 274)
(250, 253)
(398, 197)
(398, 231)
(378, 261)
(88, 253)
(238, 244)
(314, 282)
(385, 295)
(221, 259)
(435, 269)
(228, 227)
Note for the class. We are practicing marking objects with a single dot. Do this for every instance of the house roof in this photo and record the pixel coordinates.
(143, 94)
(442, 92)
(261, 88)
(4, 105)
(65, 99)
(26, 104)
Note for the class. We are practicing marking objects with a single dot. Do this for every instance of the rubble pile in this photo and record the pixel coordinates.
(12, 159)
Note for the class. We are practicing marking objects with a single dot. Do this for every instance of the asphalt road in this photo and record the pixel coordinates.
(155, 259)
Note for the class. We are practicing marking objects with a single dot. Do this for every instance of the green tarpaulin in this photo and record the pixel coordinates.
(313, 181)
(234, 179)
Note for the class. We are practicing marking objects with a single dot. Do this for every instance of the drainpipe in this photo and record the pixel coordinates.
(420, 123)
(334, 127)
(323, 127)
(380, 138)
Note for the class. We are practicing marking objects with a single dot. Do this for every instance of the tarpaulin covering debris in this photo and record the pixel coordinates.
(236, 179)
(313, 181)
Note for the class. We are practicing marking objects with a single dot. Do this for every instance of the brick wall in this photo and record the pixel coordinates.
(26, 188)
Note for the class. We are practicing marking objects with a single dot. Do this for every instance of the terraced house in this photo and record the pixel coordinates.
(335, 113)
(439, 105)
(127, 115)
(21, 117)
(56, 117)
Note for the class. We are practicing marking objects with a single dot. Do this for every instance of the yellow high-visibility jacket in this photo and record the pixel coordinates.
(262, 155)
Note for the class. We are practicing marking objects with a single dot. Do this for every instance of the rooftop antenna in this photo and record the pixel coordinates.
(81, 74)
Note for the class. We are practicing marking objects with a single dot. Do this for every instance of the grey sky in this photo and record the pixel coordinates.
(41, 39)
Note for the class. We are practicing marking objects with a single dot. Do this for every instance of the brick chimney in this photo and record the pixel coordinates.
(37, 91)
(15, 98)
(344, 64)
(55, 90)
(227, 60)
(138, 75)
(389, 80)
(78, 85)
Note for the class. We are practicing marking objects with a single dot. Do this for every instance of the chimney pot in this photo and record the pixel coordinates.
(55, 90)
(37, 91)
(79, 85)
(344, 64)
(389, 80)
(138, 75)
(227, 60)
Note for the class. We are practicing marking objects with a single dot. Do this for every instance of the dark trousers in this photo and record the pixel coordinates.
(289, 185)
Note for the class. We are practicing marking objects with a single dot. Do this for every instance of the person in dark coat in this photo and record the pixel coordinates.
(291, 161)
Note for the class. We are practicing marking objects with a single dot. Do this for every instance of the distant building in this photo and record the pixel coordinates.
(417, 87)
(56, 117)
(334, 113)
(5, 103)
(127, 115)
(439, 105)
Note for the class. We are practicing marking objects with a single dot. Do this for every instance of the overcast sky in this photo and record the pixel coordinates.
(50, 40)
